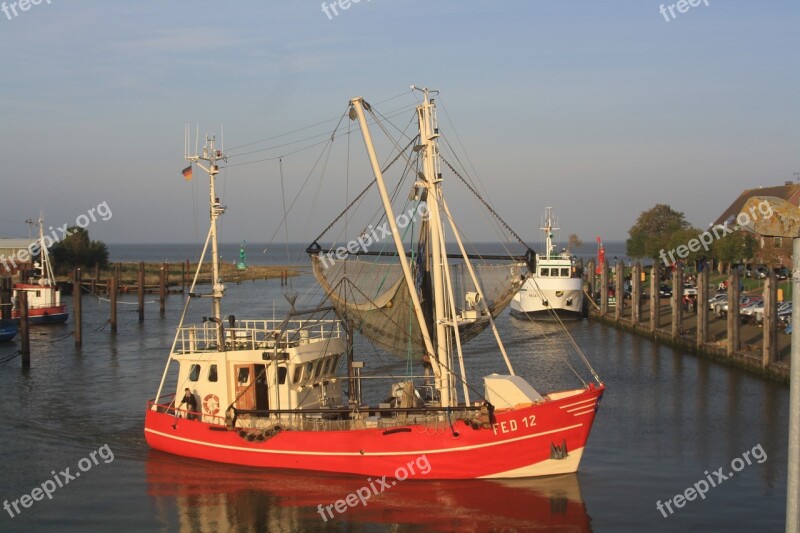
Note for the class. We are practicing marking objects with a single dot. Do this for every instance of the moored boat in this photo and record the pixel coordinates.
(44, 296)
(269, 393)
(555, 288)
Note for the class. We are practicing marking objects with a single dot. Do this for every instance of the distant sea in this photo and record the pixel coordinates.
(294, 253)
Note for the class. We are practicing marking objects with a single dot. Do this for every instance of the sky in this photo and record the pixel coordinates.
(598, 109)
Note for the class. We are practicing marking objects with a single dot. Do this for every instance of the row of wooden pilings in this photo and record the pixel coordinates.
(110, 287)
(700, 342)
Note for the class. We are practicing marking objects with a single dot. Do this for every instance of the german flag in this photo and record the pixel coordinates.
(187, 173)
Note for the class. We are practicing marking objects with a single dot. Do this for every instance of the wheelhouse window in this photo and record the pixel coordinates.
(194, 373)
(282, 371)
(544, 272)
(244, 376)
(212, 373)
(298, 374)
(565, 272)
(554, 272)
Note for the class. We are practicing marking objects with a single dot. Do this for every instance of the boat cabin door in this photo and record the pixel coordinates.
(251, 395)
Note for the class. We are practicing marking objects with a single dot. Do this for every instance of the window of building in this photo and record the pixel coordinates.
(777, 242)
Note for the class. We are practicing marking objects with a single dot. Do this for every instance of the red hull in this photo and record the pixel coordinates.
(519, 444)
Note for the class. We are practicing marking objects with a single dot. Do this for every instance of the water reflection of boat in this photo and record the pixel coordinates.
(204, 496)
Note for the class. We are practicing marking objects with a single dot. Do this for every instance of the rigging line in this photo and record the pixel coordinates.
(308, 177)
(362, 193)
(393, 113)
(491, 210)
(404, 93)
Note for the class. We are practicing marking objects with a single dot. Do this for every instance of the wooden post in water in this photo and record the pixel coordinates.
(655, 298)
(184, 269)
(734, 320)
(162, 289)
(5, 298)
(619, 271)
(604, 288)
(76, 307)
(25, 339)
(770, 321)
(141, 291)
(677, 301)
(702, 306)
(636, 293)
(112, 296)
(590, 277)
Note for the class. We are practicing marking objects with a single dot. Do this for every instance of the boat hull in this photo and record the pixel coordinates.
(45, 315)
(521, 442)
(540, 298)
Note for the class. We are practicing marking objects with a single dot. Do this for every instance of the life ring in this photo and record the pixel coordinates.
(211, 404)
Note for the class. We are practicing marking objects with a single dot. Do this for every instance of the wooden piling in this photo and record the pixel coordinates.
(5, 298)
(162, 289)
(655, 298)
(604, 288)
(141, 291)
(590, 277)
(677, 301)
(734, 320)
(24, 331)
(619, 275)
(702, 306)
(112, 296)
(636, 293)
(770, 321)
(77, 315)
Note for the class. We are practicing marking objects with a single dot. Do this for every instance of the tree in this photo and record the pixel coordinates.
(77, 250)
(574, 242)
(738, 247)
(653, 231)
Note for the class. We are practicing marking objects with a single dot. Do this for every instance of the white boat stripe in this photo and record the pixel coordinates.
(583, 412)
(576, 403)
(409, 452)
(580, 407)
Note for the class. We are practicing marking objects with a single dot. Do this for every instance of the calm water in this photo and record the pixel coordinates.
(666, 418)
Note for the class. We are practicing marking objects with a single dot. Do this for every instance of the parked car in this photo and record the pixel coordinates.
(781, 272)
(720, 298)
(665, 291)
(785, 312)
(744, 301)
(761, 271)
(753, 311)
(689, 289)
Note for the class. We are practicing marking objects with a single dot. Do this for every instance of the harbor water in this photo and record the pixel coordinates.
(74, 449)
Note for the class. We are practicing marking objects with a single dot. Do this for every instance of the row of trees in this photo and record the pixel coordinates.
(662, 230)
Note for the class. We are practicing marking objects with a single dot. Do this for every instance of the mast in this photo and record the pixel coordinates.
(548, 231)
(358, 106)
(428, 133)
(47, 277)
(211, 156)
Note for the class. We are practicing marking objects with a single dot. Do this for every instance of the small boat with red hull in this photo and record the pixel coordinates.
(44, 296)
(288, 393)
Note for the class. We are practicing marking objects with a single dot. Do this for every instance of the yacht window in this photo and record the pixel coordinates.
(310, 372)
(212, 373)
(244, 376)
(554, 272)
(544, 272)
(327, 367)
(298, 374)
(194, 373)
(335, 364)
(282, 370)
(565, 272)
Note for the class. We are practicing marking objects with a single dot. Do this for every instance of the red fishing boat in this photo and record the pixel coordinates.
(44, 296)
(288, 393)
